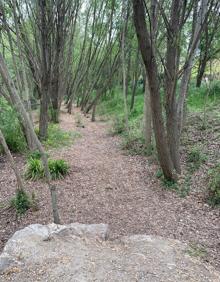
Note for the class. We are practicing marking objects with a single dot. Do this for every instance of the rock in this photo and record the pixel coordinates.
(78, 252)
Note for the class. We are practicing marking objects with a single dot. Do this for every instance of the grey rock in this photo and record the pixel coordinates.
(78, 252)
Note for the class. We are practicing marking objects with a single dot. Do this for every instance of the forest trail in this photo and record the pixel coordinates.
(107, 186)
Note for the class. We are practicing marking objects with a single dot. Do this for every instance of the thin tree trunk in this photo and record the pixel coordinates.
(11, 161)
(147, 128)
(148, 54)
(124, 65)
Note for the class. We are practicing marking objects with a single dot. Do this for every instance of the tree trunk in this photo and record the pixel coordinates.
(201, 71)
(148, 54)
(147, 128)
(93, 112)
(43, 122)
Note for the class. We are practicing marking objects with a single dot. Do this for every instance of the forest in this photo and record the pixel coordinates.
(109, 113)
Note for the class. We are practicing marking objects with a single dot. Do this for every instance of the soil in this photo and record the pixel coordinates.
(105, 185)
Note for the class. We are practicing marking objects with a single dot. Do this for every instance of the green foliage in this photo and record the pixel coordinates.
(11, 128)
(118, 125)
(58, 138)
(34, 155)
(214, 186)
(195, 159)
(21, 202)
(159, 173)
(169, 184)
(198, 97)
(35, 169)
(58, 168)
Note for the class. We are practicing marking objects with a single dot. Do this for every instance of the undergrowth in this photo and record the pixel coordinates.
(35, 170)
(11, 128)
(57, 137)
(21, 202)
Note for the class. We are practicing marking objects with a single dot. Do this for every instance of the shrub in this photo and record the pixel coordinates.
(34, 155)
(11, 128)
(214, 186)
(195, 158)
(35, 169)
(21, 202)
(58, 168)
(118, 125)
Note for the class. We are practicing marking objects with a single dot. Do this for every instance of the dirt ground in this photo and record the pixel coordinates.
(107, 186)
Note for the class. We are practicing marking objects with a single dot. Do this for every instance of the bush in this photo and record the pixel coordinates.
(35, 169)
(58, 168)
(195, 158)
(118, 125)
(11, 128)
(21, 202)
(214, 186)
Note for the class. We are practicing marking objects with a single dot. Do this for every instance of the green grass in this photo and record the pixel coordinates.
(35, 170)
(58, 138)
(205, 95)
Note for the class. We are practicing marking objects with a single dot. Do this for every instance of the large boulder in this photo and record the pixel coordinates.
(79, 252)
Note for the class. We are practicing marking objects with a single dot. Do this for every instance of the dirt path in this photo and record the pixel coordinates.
(107, 186)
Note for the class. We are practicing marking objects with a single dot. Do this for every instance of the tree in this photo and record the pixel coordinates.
(176, 66)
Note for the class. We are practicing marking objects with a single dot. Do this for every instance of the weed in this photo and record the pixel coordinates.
(159, 173)
(58, 168)
(21, 202)
(35, 169)
(170, 184)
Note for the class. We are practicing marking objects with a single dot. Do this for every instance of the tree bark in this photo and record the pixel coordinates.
(148, 54)
(147, 130)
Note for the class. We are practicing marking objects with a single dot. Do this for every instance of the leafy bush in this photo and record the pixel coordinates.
(11, 128)
(21, 202)
(195, 158)
(34, 155)
(58, 168)
(35, 169)
(214, 186)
